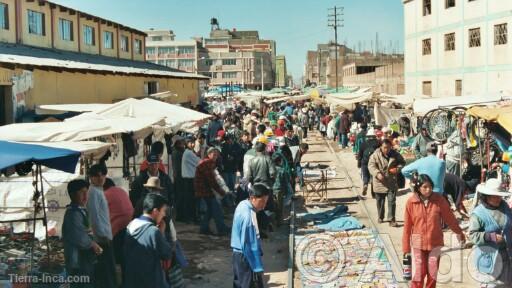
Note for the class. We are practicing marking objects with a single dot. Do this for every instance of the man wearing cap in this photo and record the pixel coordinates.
(291, 139)
(490, 229)
(186, 206)
(419, 145)
(245, 239)
(434, 167)
(157, 148)
(138, 191)
(205, 185)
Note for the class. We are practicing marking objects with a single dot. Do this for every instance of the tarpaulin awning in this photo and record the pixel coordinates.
(78, 130)
(12, 154)
(502, 115)
(62, 108)
(176, 117)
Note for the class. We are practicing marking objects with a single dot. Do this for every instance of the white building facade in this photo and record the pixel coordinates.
(458, 47)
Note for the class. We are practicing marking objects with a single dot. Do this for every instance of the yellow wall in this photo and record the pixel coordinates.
(5, 76)
(108, 52)
(81, 88)
(91, 49)
(58, 42)
(139, 57)
(123, 54)
(10, 34)
(33, 39)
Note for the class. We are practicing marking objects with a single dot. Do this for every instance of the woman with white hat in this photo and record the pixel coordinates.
(490, 229)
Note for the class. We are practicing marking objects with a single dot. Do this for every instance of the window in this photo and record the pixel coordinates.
(449, 3)
(125, 44)
(427, 48)
(156, 38)
(151, 87)
(427, 7)
(89, 37)
(150, 50)
(427, 88)
(66, 29)
(186, 50)
(228, 75)
(228, 61)
(137, 46)
(36, 23)
(500, 34)
(4, 16)
(458, 87)
(186, 63)
(165, 50)
(108, 40)
(474, 37)
(449, 42)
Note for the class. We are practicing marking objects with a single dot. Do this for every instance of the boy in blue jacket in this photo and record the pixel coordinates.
(245, 239)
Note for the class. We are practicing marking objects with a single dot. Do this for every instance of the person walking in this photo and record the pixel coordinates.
(207, 189)
(434, 167)
(490, 229)
(366, 150)
(384, 165)
(187, 204)
(146, 245)
(422, 236)
(343, 128)
(245, 239)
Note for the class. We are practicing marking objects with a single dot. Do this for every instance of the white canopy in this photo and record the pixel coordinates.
(176, 117)
(61, 108)
(77, 130)
(348, 100)
(422, 106)
(93, 149)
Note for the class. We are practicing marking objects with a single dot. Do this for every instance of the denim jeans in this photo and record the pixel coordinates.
(210, 208)
(229, 178)
(343, 140)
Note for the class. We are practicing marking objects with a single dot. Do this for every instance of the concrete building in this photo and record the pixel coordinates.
(455, 48)
(181, 55)
(281, 72)
(384, 78)
(320, 66)
(52, 54)
(239, 57)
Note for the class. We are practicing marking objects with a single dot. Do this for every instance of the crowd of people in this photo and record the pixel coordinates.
(247, 162)
(439, 185)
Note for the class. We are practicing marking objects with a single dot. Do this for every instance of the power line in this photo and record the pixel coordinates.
(335, 21)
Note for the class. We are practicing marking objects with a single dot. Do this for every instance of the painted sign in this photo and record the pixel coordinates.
(21, 85)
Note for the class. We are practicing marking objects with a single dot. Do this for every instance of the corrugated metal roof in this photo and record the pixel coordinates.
(36, 56)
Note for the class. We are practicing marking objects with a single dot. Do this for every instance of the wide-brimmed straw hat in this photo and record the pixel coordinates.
(492, 187)
(153, 182)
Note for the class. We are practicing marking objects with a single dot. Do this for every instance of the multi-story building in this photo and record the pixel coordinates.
(162, 49)
(457, 47)
(281, 72)
(239, 57)
(321, 65)
(52, 54)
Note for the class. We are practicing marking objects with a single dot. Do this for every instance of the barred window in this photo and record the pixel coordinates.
(449, 42)
(36, 23)
(108, 40)
(449, 3)
(89, 37)
(427, 7)
(4, 16)
(229, 75)
(125, 44)
(500, 34)
(427, 88)
(228, 61)
(66, 29)
(474, 37)
(427, 48)
(458, 87)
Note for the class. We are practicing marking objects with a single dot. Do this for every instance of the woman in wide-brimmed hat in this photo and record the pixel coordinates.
(490, 229)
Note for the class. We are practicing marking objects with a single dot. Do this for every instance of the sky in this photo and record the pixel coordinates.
(296, 25)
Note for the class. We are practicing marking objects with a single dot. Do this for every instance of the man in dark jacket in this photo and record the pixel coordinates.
(146, 247)
(363, 156)
(343, 128)
(231, 153)
(137, 191)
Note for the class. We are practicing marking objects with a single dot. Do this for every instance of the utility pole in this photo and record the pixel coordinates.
(262, 83)
(335, 20)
